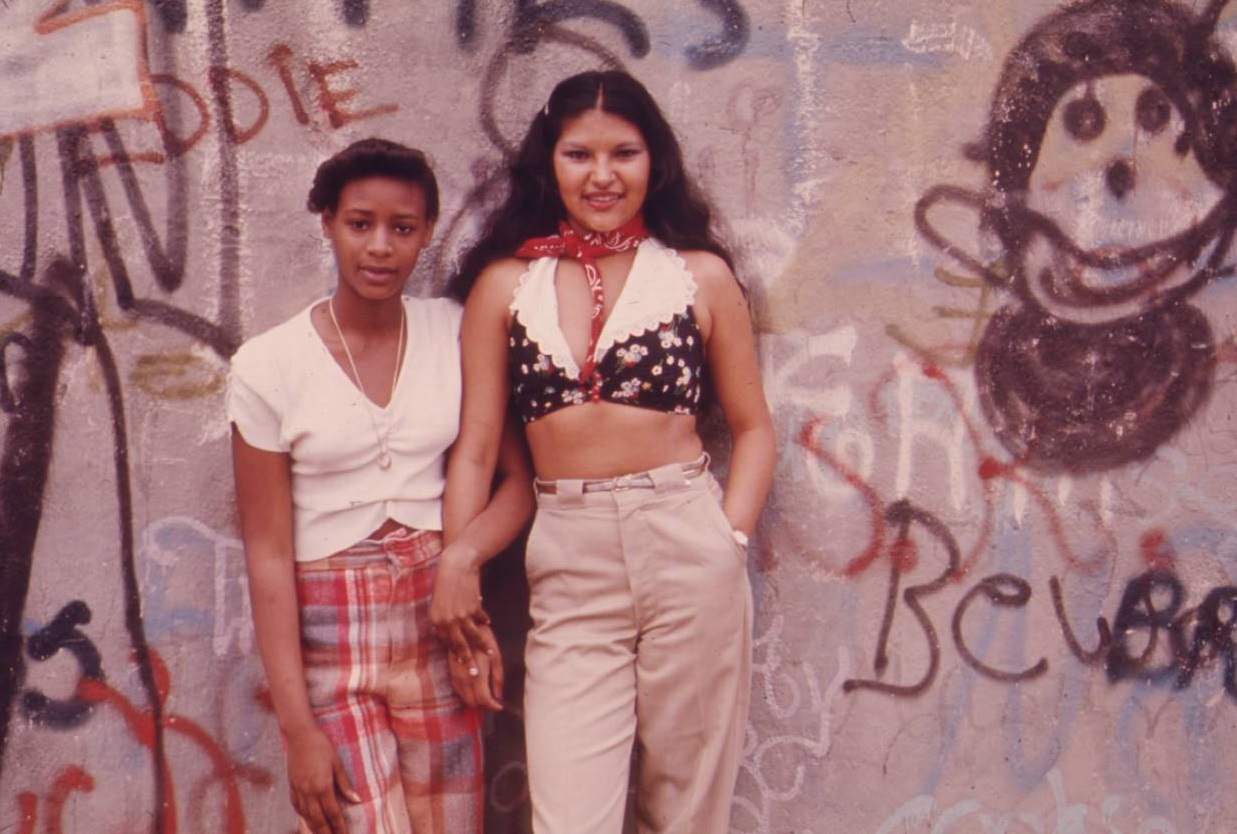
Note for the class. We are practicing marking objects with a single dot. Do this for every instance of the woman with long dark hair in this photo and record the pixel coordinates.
(601, 308)
(341, 421)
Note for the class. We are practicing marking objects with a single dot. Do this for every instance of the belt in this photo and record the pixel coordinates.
(638, 480)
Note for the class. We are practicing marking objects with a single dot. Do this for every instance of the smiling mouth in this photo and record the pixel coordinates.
(602, 200)
(1113, 275)
(1064, 273)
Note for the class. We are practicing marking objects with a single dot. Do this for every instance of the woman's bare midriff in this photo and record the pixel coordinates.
(604, 440)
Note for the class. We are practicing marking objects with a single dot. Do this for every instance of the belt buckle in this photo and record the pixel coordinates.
(622, 482)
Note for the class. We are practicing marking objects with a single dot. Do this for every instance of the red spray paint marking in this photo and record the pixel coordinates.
(860, 563)
(933, 372)
(875, 407)
(141, 725)
(1055, 527)
(905, 554)
(1157, 551)
(990, 469)
(28, 812)
(71, 779)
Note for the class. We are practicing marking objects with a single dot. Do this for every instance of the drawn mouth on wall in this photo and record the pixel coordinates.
(1067, 279)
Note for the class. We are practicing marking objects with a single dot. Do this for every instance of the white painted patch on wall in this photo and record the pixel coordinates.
(806, 43)
(232, 617)
(42, 56)
(762, 758)
(952, 38)
(912, 428)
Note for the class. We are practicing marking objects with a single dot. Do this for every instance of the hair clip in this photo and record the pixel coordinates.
(545, 111)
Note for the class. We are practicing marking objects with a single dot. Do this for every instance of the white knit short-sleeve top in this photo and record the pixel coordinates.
(286, 393)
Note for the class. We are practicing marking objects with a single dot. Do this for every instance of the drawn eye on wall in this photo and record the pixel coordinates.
(1084, 117)
(1111, 150)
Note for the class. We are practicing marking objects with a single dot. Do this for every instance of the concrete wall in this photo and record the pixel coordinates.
(995, 579)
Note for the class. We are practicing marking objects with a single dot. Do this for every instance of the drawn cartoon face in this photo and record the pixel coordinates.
(1111, 198)
(1120, 204)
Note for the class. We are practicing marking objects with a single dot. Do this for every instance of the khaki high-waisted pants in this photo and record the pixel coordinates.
(641, 632)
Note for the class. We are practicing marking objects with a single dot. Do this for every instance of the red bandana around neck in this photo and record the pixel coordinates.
(586, 248)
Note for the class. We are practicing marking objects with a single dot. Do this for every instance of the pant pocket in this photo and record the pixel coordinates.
(718, 514)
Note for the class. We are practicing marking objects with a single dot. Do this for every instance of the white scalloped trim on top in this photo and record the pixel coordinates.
(535, 304)
(659, 287)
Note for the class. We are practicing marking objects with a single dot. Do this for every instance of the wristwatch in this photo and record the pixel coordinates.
(739, 536)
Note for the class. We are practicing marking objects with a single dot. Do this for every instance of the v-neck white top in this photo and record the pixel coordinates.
(286, 393)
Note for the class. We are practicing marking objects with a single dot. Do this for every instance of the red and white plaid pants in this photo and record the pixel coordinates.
(380, 689)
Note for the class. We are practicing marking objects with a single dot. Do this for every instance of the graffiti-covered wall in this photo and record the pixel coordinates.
(989, 247)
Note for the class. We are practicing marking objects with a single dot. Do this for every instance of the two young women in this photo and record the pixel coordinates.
(602, 310)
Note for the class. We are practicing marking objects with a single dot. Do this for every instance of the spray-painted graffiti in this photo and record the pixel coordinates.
(63, 633)
(1109, 153)
(532, 19)
(131, 144)
(997, 574)
(42, 41)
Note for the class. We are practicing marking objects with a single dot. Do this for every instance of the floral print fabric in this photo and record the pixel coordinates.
(660, 369)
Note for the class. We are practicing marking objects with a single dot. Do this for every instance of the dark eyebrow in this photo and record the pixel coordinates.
(364, 212)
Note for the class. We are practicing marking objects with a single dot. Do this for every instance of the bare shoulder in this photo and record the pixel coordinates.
(715, 282)
(490, 298)
(500, 277)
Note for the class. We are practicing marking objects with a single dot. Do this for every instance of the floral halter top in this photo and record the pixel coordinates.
(649, 353)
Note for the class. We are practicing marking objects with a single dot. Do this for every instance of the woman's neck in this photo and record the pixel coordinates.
(364, 315)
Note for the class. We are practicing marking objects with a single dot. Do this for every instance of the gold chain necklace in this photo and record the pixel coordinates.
(384, 453)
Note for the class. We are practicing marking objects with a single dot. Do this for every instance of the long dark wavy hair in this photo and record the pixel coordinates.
(675, 212)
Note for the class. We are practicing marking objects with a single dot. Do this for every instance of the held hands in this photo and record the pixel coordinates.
(460, 621)
(317, 781)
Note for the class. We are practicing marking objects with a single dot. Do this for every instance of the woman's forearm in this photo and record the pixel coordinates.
(752, 457)
(499, 523)
(276, 620)
(467, 491)
(476, 523)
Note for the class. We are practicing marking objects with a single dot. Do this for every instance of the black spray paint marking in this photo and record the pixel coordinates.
(1134, 393)
(1215, 621)
(64, 305)
(466, 22)
(533, 18)
(902, 514)
(1088, 657)
(498, 65)
(63, 633)
(229, 182)
(81, 174)
(1007, 591)
(25, 458)
(725, 46)
(1150, 640)
(1067, 396)
(1152, 610)
(30, 192)
(354, 12)
(172, 13)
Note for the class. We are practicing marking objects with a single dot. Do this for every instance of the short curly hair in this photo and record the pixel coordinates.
(372, 157)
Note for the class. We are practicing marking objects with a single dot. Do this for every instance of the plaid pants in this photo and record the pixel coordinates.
(380, 690)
